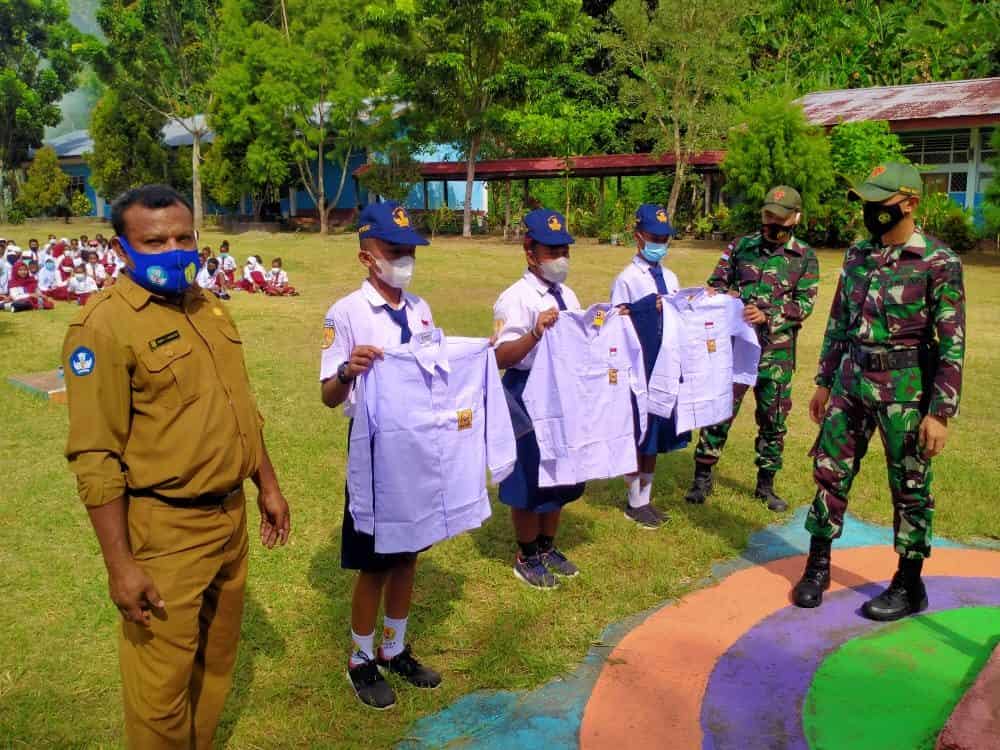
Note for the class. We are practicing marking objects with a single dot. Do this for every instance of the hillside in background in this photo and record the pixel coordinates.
(76, 105)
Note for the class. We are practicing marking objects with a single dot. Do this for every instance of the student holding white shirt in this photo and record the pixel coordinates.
(522, 315)
(357, 328)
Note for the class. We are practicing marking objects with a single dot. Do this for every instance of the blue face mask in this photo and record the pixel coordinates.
(654, 252)
(50, 265)
(169, 272)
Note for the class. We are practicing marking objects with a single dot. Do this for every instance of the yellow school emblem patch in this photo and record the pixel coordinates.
(598, 318)
(554, 224)
(661, 215)
(465, 419)
(329, 335)
(613, 376)
(388, 634)
(710, 345)
(400, 218)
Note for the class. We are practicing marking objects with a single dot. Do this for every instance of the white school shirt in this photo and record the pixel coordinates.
(87, 286)
(227, 262)
(277, 277)
(360, 319)
(96, 271)
(707, 347)
(636, 281)
(431, 417)
(579, 397)
(208, 280)
(4, 278)
(49, 280)
(516, 310)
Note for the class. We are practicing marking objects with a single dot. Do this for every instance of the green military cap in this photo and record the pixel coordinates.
(783, 201)
(886, 180)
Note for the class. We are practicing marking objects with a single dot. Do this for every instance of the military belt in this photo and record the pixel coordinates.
(202, 501)
(883, 361)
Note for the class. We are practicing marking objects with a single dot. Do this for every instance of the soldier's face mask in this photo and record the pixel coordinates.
(169, 272)
(880, 219)
(776, 234)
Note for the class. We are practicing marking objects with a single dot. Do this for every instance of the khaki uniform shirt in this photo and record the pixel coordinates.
(159, 397)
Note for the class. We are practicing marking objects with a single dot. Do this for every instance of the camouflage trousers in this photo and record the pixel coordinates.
(843, 441)
(773, 396)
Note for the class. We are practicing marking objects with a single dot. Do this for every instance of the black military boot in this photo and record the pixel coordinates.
(808, 592)
(702, 486)
(765, 492)
(906, 594)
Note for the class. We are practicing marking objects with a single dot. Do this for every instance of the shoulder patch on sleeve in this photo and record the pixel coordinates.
(82, 361)
(329, 333)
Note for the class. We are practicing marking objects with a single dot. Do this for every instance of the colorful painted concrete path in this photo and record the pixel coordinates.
(734, 666)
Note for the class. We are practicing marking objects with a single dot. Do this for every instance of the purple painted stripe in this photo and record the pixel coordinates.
(755, 694)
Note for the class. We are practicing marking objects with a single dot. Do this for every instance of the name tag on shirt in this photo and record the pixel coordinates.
(164, 339)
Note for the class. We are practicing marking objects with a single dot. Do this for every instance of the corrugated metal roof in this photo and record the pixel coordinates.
(944, 104)
(79, 142)
(608, 165)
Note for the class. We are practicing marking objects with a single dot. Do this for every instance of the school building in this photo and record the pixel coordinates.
(72, 148)
(946, 128)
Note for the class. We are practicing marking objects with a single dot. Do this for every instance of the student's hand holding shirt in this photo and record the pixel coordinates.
(362, 359)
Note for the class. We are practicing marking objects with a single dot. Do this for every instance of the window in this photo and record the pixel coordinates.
(77, 184)
(937, 148)
(959, 182)
(987, 143)
(936, 183)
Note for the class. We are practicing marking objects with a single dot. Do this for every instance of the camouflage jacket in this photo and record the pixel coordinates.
(782, 282)
(910, 295)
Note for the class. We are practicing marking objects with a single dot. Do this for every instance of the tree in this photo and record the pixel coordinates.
(163, 54)
(45, 189)
(991, 204)
(294, 88)
(40, 56)
(858, 147)
(774, 145)
(463, 63)
(394, 174)
(678, 61)
(128, 145)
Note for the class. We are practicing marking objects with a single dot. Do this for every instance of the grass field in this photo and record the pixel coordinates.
(58, 671)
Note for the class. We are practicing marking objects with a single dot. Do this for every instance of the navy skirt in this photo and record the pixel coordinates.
(520, 490)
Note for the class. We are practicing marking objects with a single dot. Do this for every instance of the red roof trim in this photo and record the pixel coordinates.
(608, 165)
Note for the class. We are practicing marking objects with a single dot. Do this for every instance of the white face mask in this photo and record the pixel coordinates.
(396, 273)
(555, 271)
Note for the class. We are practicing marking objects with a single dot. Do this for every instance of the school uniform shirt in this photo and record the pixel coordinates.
(579, 397)
(637, 281)
(431, 417)
(516, 310)
(4, 278)
(87, 286)
(49, 280)
(208, 280)
(707, 346)
(277, 277)
(360, 319)
(96, 272)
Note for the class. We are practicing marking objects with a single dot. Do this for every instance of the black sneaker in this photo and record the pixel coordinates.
(405, 664)
(647, 517)
(370, 686)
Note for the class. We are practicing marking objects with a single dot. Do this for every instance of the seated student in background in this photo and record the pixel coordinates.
(23, 292)
(81, 285)
(94, 268)
(277, 281)
(227, 263)
(253, 276)
(34, 251)
(50, 281)
(211, 279)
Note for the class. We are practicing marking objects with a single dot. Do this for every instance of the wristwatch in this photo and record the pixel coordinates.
(342, 374)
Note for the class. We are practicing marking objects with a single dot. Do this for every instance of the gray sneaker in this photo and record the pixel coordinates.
(646, 516)
(531, 571)
(557, 564)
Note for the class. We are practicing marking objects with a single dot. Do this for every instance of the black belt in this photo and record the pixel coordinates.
(202, 501)
(883, 361)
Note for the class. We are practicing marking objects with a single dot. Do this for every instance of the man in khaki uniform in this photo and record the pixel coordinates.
(163, 432)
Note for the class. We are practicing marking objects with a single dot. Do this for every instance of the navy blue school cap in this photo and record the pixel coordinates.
(651, 218)
(388, 221)
(547, 227)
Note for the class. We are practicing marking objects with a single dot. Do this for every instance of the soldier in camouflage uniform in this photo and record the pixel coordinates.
(891, 360)
(777, 277)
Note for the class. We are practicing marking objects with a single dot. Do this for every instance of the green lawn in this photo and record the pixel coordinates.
(472, 619)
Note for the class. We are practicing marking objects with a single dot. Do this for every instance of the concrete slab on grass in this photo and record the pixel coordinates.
(49, 385)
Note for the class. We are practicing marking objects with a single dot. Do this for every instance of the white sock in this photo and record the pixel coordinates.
(364, 648)
(634, 501)
(645, 488)
(393, 637)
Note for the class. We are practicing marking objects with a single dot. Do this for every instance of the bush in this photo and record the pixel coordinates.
(80, 205)
(15, 216)
(941, 217)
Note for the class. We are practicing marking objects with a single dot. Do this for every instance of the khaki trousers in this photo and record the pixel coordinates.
(177, 673)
